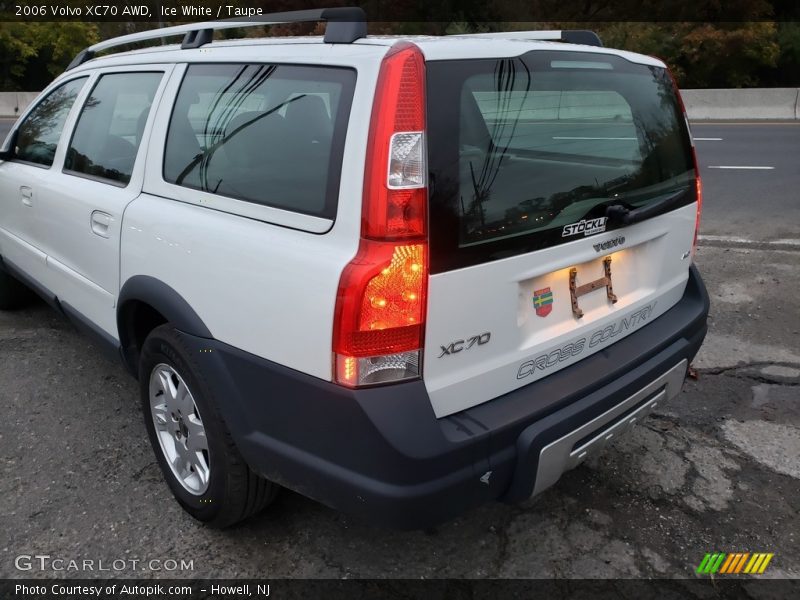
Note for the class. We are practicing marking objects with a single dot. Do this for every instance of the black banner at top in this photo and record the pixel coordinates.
(393, 11)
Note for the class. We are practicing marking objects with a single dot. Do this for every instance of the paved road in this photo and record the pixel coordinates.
(716, 469)
(756, 204)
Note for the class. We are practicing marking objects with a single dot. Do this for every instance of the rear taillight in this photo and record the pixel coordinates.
(699, 187)
(382, 298)
(697, 182)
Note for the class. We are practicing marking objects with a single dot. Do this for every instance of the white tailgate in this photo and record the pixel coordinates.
(648, 271)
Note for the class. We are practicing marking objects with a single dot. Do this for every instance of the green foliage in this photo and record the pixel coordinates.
(788, 67)
(28, 47)
(461, 27)
(750, 51)
(15, 49)
(715, 55)
(700, 55)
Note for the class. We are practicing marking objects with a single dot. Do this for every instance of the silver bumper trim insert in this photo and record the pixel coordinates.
(562, 455)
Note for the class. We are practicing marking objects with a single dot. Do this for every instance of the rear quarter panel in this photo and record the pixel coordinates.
(264, 285)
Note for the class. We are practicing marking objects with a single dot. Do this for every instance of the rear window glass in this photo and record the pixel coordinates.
(594, 123)
(544, 141)
(267, 134)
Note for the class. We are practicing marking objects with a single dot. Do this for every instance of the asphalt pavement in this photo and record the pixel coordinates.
(714, 470)
(751, 177)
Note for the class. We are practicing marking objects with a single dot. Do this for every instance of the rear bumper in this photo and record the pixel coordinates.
(382, 454)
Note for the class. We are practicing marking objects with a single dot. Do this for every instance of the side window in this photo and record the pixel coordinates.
(38, 135)
(110, 126)
(268, 134)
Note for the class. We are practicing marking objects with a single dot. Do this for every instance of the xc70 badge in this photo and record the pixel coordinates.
(459, 345)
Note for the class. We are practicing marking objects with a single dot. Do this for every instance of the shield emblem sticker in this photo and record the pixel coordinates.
(543, 301)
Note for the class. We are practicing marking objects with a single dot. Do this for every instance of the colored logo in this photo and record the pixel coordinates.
(543, 301)
(733, 563)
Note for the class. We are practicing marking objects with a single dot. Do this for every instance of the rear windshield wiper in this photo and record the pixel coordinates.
(624, 215)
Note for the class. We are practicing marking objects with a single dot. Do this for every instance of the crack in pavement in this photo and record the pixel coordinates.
(734, 371)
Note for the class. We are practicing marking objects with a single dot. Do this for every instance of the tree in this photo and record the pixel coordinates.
(31, 54)
(711, 55)
(788, 67)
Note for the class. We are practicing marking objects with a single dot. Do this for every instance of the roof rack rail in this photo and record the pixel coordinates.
(569, 36)
(344, 25)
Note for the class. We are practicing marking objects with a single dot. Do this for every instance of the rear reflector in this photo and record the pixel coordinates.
(381, 304)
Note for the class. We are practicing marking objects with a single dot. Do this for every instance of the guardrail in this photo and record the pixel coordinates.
(728, 104)
(12, 104)
(742, 104)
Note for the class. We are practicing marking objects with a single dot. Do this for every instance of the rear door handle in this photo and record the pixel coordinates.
(101, 222)
(26, 194)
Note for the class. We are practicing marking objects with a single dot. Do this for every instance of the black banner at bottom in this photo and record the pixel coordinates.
(354, 589)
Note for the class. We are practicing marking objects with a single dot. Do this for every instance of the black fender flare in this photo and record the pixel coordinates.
(162, 298)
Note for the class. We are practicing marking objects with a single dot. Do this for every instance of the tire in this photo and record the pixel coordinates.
(13, 294)
(209, 479)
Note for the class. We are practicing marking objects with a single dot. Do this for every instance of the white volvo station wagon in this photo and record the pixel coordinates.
(404, 276)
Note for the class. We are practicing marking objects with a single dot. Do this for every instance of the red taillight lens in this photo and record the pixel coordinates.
(699, 187)
(698, 183)
(382, 299)
(396, 175)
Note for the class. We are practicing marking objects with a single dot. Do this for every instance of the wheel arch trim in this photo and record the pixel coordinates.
(161, 298)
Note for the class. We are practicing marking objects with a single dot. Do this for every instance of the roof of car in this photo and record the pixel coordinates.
(307, 47)
(345, 32)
